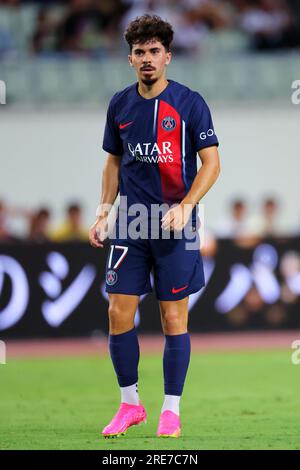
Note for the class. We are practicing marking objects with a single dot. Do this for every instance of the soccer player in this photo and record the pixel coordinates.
(154, 131)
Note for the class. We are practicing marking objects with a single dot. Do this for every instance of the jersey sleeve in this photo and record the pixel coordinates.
(201, 125)
(112, 142)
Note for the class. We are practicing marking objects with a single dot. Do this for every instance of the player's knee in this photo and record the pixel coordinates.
(173, 321)
(115, 313)
(119, 322)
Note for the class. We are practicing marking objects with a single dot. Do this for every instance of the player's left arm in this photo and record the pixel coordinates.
(177, 217)
(206, 175)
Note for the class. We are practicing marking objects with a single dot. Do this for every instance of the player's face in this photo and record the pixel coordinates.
(149, 60)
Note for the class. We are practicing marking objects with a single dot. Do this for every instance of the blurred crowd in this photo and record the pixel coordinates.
(94, 28)
(39, 224)
(238, 223)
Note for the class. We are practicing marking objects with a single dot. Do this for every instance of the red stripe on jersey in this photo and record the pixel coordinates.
(170, 172)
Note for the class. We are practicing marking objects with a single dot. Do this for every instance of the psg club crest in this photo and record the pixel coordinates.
(168, 123)
(111, 277)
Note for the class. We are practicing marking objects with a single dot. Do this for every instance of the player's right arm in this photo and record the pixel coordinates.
(113, 145)
(109, 192)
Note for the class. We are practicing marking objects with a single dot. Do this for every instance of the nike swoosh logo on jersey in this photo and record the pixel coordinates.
(175, 291)
(122, 126)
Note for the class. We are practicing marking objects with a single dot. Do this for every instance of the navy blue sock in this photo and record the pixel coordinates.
(125, 354)
(176, 362)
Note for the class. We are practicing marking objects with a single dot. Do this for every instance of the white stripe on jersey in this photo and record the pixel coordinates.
(155, 117)
(183, 152)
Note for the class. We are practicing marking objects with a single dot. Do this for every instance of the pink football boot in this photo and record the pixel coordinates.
(128, 415)
(169, 425)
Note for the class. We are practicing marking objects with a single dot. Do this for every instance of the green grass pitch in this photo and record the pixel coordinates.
(231, 401)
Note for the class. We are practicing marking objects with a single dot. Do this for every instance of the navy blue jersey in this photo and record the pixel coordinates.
(158, 140)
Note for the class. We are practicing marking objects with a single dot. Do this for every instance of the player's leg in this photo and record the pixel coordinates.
(127, 277)
(123, 344)
(125, 353)
(174, 317)
(178, 272)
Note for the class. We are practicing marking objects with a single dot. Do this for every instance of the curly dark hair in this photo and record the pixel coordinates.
(147, 27)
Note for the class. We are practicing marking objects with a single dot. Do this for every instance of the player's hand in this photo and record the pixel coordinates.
(177, 217)
(98, 232)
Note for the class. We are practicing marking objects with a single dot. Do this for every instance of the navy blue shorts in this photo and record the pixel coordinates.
(177, 271)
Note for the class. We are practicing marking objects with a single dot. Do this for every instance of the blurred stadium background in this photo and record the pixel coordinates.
(61, 61)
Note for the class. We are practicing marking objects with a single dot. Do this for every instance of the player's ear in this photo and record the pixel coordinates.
(169, 58)
(130, 60)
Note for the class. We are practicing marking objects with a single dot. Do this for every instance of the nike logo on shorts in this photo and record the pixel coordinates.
(175, 291)
(122, 126)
